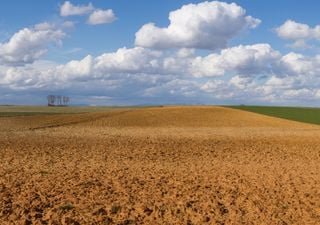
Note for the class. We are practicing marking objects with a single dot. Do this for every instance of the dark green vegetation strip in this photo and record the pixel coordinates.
(11, 111)
(13, 114)
(306, 115)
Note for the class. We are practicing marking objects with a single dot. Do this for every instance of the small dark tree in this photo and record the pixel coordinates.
(65, 100)
(58, 100)
(51, 100)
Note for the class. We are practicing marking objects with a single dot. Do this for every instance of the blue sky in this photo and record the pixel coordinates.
(119, 58)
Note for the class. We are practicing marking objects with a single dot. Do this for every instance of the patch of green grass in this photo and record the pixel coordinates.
(301, 114)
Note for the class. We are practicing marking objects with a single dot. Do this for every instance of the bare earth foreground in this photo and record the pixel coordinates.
(168, 165)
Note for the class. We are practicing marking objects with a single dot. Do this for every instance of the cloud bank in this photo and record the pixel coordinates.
(164, 66)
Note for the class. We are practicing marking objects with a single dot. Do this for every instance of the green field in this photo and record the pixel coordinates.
(11, 111)
(301, 114)
(6, 111)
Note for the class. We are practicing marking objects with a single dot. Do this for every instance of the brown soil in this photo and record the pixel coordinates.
(168, 165)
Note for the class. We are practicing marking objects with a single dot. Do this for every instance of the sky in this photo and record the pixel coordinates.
(139, 52)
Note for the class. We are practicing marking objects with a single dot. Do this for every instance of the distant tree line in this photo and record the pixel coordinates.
(58, 100)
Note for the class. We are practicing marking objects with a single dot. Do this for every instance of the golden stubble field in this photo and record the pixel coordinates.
(166, 165)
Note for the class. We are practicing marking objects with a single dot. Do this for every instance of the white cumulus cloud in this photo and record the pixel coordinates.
(242, 59)
(82, 69)
(293, 64)
(68, 9)
(207, 25)
(299, 33)
(29, 44)
(97, 16)
(101, 17)
(134, 60)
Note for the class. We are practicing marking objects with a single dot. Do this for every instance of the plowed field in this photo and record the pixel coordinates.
(166, 165)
